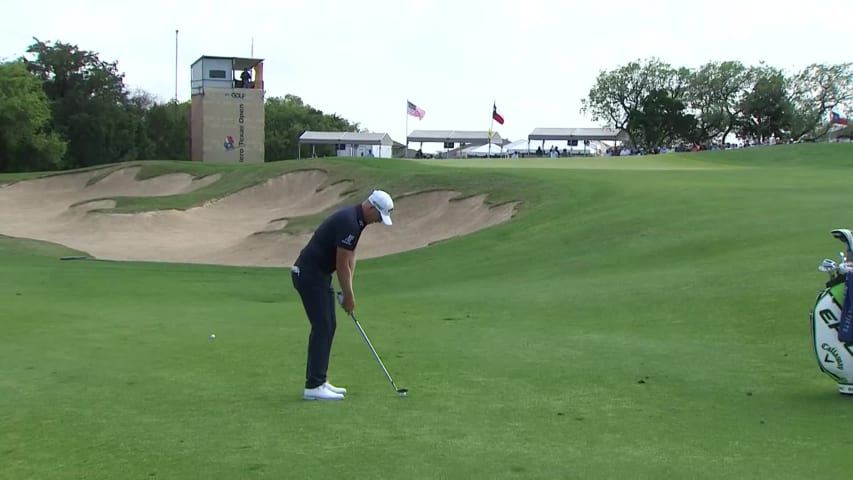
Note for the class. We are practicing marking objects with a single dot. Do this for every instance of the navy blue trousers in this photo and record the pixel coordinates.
(318, 299)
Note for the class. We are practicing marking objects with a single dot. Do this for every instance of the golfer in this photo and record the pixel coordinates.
(332, 249)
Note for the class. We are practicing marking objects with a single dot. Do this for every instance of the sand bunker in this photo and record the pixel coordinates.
(240, 229)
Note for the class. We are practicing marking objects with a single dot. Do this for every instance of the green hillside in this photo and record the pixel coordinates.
(641, 317)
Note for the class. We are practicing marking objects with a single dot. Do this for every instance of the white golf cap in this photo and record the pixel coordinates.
(383, 202)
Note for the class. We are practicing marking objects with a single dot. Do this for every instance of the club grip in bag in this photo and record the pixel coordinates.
(845, 324)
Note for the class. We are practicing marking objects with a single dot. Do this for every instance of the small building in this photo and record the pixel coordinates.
(842, 134)
(227, 122)
(350, 144)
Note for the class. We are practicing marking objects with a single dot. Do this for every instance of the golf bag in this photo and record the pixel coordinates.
(832, 318)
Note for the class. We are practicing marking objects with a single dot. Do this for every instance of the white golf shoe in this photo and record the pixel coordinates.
(335, 389)
(321, 393)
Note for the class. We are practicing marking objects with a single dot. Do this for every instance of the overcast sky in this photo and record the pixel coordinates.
(363, 59)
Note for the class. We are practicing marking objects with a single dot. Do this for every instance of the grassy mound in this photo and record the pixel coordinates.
(629, 322)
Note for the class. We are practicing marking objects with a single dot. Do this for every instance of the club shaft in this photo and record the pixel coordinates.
(373, 351)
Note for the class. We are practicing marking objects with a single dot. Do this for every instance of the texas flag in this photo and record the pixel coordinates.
(497, 116)
(835, 117)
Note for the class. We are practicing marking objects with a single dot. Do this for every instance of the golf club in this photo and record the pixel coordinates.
(846, 236)
(827, 265)
(401, 391)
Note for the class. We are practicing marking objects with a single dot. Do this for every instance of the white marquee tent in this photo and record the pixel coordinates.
(524, 146)
(483, 151)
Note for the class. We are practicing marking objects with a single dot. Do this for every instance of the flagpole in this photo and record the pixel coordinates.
(406, 133)
(491, 127)
(829, 130)
(176, 66)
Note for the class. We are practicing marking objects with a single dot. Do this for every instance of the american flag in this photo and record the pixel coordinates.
(415, 110)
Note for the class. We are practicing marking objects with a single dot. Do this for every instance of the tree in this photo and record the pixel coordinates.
(814, 92)
(617, 94)
(661, 120)
(165, 127)
(25, 143)
(716, 94)
(88, 101)
(767, 110)
(287, 118)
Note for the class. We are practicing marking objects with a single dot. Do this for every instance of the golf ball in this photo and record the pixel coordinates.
(402, 394)
(212, 336)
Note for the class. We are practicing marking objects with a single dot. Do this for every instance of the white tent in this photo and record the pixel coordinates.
(483, 151)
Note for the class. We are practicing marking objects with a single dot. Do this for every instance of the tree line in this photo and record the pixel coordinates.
(659, 104)
(63, 107)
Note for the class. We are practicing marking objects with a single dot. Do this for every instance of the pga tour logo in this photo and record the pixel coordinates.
(229, 143)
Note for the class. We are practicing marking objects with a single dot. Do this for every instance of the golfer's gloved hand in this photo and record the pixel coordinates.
(845, 268)
(348, 304)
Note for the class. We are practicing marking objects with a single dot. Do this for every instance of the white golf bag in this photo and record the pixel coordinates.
(831, 322)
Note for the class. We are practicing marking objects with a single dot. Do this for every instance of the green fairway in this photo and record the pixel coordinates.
(642, 318)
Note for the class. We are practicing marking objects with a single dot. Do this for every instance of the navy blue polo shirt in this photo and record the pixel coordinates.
(340, 229)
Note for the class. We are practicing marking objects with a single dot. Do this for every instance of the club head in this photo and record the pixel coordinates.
(827, 265)
(403, 391)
